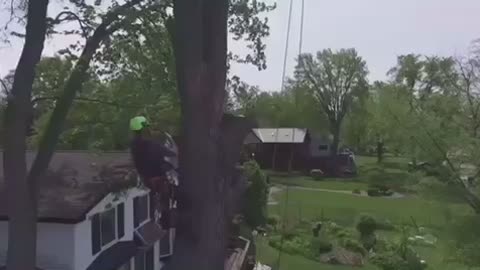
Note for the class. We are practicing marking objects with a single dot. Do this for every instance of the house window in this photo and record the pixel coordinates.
(165, 245)
(106, 227)
(144, 260)
(323, 147)
(140, 210)
(121, 220)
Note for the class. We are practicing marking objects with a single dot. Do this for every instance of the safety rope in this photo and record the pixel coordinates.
(285, 55)
(285, 207)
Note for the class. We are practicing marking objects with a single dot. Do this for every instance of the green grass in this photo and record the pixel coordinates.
(392, 170)
(305, 181)
(311, 205)
(344, 208)
(268, 255)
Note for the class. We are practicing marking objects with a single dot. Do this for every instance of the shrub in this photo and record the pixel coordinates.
(256, 195)
(321, 245)
(273, 221)
(385, 225)
(366, 225)
(356, 191)
(289, 235)
(373, 192)
(342, 233)
(291, 245)
(368, 241)
(383, 245)
(316, 228)
(332, 227)
(353, 245)
(389, 261)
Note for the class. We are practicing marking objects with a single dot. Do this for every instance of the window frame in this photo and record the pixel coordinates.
(145, 255)
(169, 236)
(116, 238)
(147, 216)
(114, 226)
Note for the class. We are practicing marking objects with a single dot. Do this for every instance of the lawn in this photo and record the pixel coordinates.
(268, 255)
(314, 205)
(392, 170)
(344, 208)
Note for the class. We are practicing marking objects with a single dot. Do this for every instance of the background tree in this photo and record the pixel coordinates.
(21, 190)
(336, 79)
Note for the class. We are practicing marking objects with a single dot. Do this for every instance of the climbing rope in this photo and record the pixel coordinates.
(285, 207)
(285, 55)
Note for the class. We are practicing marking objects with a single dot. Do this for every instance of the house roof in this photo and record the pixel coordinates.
(74, 183)
(4, 268)
(280, 135)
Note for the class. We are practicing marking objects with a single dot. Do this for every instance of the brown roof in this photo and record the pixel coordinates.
(75, 182)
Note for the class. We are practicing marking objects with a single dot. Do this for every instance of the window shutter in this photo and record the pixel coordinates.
(140, 261)
(149, 260)
(152, 206)
(96, 241)
(136, 206)
(121, 220)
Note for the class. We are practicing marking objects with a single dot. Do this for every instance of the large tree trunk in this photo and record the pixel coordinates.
(379, 150)
(201, 50)
(22, 206)
(335, 130)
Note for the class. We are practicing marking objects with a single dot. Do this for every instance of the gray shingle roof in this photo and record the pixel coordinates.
(281, 135)
(74, 183)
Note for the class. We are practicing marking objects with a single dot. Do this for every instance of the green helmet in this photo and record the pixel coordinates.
(138, 123)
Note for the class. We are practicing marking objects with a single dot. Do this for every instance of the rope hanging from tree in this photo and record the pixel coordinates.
(285, 207)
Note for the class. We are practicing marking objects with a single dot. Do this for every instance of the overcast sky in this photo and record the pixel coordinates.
(379, 29)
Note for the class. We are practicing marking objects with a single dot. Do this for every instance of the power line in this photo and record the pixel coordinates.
(286, 44)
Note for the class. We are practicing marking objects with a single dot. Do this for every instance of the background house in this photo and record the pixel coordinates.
(85, 222)
(280, 149)
(296, 149)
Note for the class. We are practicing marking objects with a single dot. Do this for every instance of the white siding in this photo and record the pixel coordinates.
(69, 247)
(83, 231)
(55, 245)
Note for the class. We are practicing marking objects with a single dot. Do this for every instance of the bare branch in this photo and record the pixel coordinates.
(70, 16)
(84, 99)
(5, 88)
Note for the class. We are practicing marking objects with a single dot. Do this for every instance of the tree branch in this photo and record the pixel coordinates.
(73, 85)
(104, 102)
(5, 88)
(69, 17)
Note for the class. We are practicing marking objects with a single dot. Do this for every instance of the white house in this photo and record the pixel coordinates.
(85, 223)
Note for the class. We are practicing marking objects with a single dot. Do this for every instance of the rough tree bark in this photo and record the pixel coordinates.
(234, 129)
(335, 130)
(22, 208)
(200, 43)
